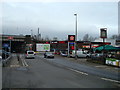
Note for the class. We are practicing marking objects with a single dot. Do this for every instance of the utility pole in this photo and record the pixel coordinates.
(76, 37)
(31, 33)
(38, 34)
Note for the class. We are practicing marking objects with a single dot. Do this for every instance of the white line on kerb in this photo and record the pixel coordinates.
(78, 72)
(25, 63)
(110, 80)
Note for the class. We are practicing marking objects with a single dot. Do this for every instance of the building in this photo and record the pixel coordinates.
(112, 41)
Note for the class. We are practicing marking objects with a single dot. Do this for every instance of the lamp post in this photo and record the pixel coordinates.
(76, 37)
(31, 33)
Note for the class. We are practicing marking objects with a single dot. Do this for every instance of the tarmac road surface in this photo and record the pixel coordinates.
(40, 73)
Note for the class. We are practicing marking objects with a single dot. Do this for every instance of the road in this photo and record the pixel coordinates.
(41, 73)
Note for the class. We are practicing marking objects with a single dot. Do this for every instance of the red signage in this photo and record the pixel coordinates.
(47, 43)
(72, 47)
(61, 41)
(10, 38)
(71, 38)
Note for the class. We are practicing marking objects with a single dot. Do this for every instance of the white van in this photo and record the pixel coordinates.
(80, 53)
(30, 54)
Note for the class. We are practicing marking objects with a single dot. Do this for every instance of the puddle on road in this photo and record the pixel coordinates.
(22, 69)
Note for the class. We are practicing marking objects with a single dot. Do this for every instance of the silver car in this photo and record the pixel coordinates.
(30, 54)
(48, 55)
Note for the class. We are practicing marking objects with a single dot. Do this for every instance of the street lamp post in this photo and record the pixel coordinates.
(76, 37)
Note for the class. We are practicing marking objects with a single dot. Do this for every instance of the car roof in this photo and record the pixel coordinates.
(30, 51)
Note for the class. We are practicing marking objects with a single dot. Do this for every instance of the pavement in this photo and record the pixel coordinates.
(14, 62)
(84, 61)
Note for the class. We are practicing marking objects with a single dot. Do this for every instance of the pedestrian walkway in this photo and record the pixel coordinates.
(14, 62)
(96, 65)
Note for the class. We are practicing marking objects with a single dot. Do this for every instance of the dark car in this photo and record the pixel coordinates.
(48, 55)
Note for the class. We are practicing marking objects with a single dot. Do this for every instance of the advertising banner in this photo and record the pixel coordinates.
(112, 61)
(42, 47)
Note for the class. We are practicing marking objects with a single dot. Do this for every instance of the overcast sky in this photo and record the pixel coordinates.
(56, 19)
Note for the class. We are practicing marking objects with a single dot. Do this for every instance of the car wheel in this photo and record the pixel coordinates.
(87, 56)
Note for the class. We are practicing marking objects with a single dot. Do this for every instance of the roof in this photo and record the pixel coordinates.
(106, 47)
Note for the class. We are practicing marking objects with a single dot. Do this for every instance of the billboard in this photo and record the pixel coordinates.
(42, 47)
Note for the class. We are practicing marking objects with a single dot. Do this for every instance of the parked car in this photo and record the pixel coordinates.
(30, 54)
(111, 55)
(4, 54)
(48, 55)
(95, 55)
(80, 54)
(63, 53)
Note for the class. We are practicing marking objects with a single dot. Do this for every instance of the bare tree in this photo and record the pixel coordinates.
(55, 39)
(114, 37)
(47, 38)
(86, 37)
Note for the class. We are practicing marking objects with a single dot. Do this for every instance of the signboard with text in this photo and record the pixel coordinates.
(10, 38)
(71, 38)
(5, 45)
(103, 33)
(42, 47)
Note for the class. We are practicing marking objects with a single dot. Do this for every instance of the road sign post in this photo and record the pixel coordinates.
(10, 38)
(68, 50)
(103, 35)
(71, 38)
(5, 46)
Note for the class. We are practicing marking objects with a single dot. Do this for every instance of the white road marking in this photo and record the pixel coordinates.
(14, 65)
(24, 63)
(78, 71)
(100, 66)
(110, 80)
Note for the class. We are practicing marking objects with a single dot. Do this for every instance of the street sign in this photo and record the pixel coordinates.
(103, 33)
(5, 45)
(71, 38)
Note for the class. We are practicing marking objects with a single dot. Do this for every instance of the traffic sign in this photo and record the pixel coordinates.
(5, 45)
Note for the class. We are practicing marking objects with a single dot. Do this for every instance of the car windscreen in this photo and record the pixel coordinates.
(49, 53)
(30, 52)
